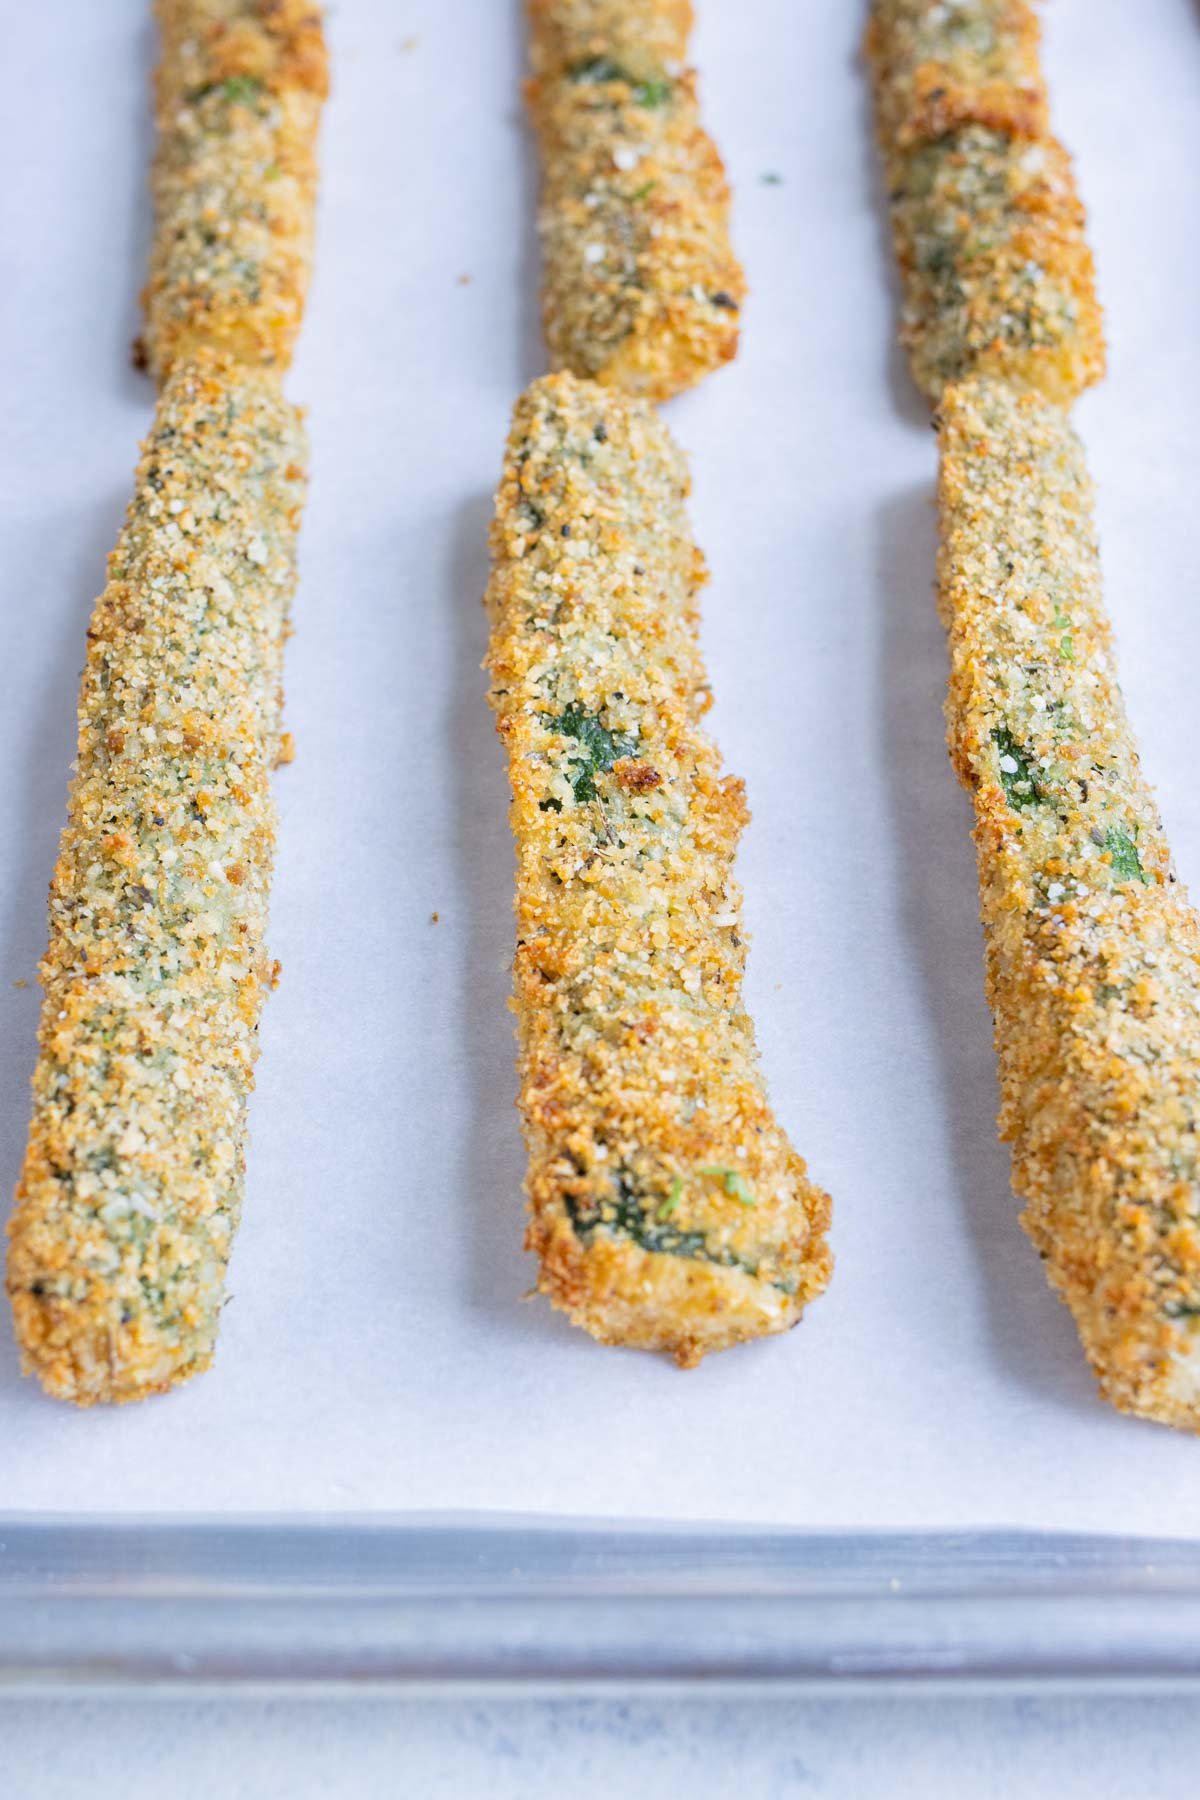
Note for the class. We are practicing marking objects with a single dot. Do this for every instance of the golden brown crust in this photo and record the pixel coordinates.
(938, 67)
(998, 277)
(988, 226)
(239, 89)
(1093, 950)
(641, 289)
(667, 1207)
(156, 968)
(648, 37)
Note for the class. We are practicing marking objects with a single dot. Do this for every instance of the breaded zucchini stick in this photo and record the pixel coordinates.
(648, 37)
(668, 1209)
(157, 967)
(641, 289)
(239, 88)
(940, 64)
(987, 223)
(1093, 950)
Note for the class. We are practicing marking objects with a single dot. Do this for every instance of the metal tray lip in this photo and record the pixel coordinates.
(509, 1603)
(478, 1551)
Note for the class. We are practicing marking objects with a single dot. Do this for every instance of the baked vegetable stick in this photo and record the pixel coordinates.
(157, 967)
(239, 89)
(641, 288)
(648, 37)
(939, 66)
(1093, 950)
(668, 1209)
(987, 223)
(996, 271)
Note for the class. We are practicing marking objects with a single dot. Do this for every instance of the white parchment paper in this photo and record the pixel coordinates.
(376, 1353)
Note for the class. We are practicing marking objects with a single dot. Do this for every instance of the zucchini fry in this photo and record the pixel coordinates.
(238, 90)
(938, 67)
(668, 1209)
(988, 227)
(156, 970)
(1093, 950)
(647, 37)
(641, 289)
(996, 270)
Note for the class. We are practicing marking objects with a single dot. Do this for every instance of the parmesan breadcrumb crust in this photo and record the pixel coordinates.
(1093, 950)
(157, 966)
(239, 89)
(988, 227)
(667, 1207)
(641, 289)
(131, 1188)
(940, 64)
(646, 36)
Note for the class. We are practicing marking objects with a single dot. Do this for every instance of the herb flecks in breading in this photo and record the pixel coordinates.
(987, 224)
(1093, 950)
(639, 39)
(641, 288)
(242, 90)
(733, 1182)
(1017, 778)
(621, 1215)
(600, 749)
(1125, 862)
(942, 64)
(997, 274)
(157, 965)
(667, 1207)
(238, 88)
(604, 69)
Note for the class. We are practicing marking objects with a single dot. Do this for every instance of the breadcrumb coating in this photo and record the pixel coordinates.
(667, 1207)
(988, 227)
(641, 289)
(1093, 950)
(942, 64)
(157, 965)
(647, 37)
(239, 89)
(997, 274)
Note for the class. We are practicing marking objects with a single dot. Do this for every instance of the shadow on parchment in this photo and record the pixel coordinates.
(906, 400)
(491, 1161)
(1030, 1329)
